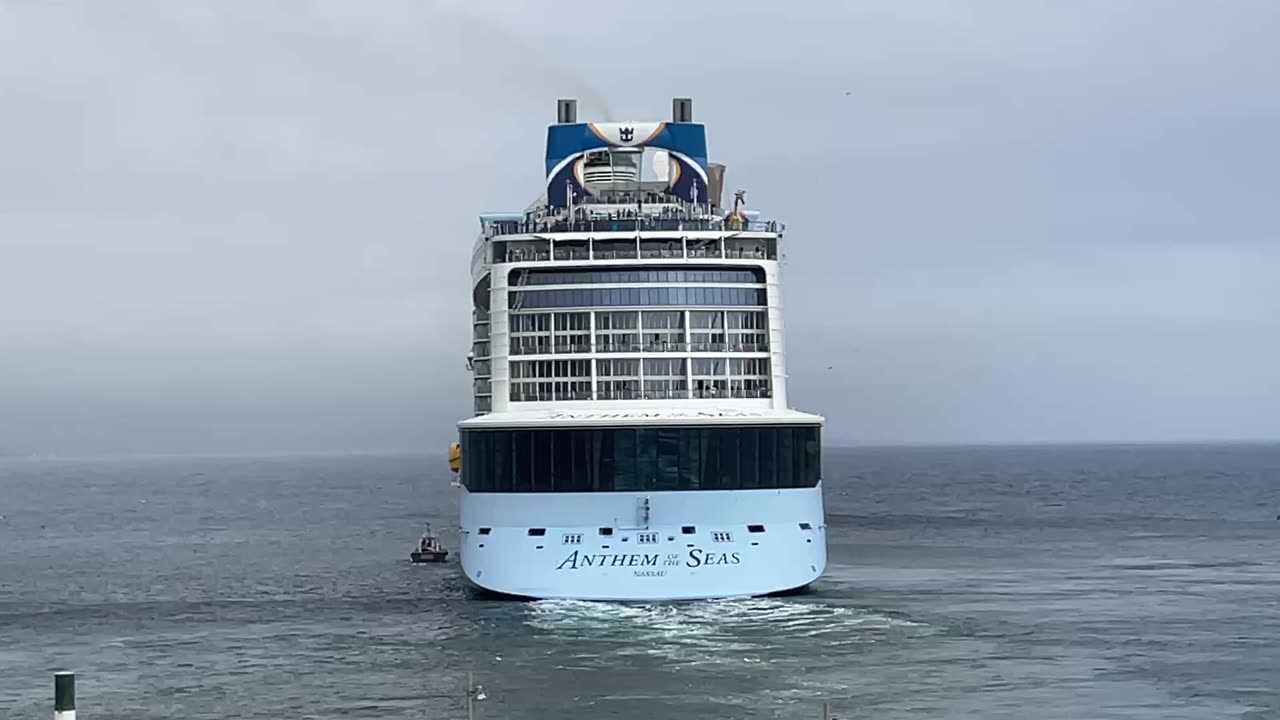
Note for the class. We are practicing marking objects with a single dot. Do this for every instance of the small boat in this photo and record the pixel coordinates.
(429, 549)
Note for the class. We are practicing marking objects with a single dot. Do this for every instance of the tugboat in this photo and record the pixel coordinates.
(429, 549)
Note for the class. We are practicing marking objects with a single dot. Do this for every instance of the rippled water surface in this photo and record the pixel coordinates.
(1122, 582)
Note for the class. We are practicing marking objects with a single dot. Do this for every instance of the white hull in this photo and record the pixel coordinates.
(653, 560)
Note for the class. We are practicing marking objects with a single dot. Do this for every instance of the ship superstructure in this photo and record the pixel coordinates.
(632, 438)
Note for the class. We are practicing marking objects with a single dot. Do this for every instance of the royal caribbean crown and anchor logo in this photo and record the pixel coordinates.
(630, 134)
(648, 564)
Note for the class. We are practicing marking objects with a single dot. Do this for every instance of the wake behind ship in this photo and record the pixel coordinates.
(632, 439)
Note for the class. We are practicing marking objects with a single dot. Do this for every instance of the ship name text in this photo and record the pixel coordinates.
(648, 564)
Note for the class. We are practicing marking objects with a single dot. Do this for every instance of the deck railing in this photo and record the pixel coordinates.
(631, 224)
(672, 394)
(516, 254)
(626, 347)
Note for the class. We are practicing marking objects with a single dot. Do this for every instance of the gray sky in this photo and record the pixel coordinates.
(246, 226)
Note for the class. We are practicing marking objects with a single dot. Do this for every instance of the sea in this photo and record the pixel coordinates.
(979, 582)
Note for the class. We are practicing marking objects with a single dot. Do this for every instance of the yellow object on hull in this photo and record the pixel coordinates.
(455, 457)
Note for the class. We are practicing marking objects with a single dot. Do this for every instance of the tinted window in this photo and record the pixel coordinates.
(635, 297)
(641, 459)
(648, 275)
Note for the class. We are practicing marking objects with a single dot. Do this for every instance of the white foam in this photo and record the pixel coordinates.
(715, 631)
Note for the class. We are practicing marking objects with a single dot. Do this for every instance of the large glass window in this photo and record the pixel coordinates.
(537, 333)
(663, 330)
(618, 379)
(636, 297)
(709, 377)
(706, 331)
(749, 377)
(642, 459)
(572, 332)
(530, 333)
(747, 330)
(588, 276)
(665, 379)
(617, 331)
(533, 380)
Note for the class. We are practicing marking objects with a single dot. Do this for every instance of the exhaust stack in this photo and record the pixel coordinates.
(682, 110)
(566, 111)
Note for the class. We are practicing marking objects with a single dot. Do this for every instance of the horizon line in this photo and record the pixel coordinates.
(286, 453)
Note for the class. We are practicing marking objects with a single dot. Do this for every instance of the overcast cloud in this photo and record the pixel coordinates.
(246, 226)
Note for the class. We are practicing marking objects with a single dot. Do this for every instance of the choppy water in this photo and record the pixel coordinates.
(1124, 582)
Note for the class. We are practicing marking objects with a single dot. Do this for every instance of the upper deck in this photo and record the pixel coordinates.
(629, 177)
(627, 284)
(645, 211)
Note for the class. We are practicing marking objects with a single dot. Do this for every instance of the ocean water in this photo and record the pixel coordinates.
(1035, 582)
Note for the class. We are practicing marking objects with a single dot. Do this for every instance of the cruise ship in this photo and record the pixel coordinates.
(632, 438)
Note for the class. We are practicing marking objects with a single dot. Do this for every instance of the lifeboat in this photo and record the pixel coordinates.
(455, 463)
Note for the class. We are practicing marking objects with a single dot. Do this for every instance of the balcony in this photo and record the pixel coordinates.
(635, 347)
(737, 393)
(618, 395)
(572, 348)
(525, 251)
(662, 347)
(523, 255)
(617, 254)
(618, 347)
(661, 253)
(676, 394)
(631, 224)
(536, 396)
(530, 350)
(571, 254)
